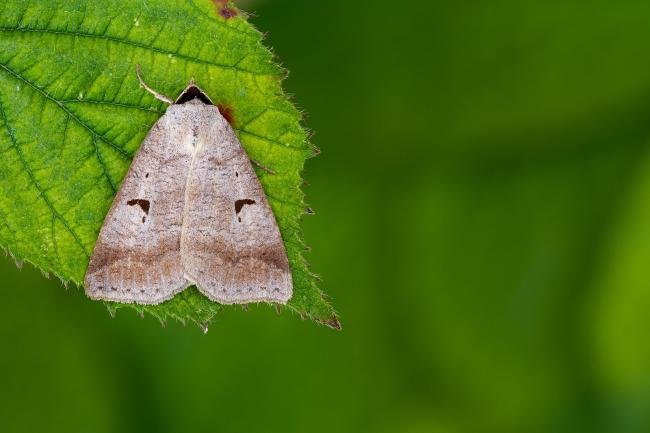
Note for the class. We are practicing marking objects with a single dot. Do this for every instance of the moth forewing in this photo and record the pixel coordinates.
(231, 244)
(137, 255)
(190, 211)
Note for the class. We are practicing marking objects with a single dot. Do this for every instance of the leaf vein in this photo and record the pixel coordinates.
(132, 43)
(41, 192)
(269, 140)
(111, 103)
(67, 110)
(103, 165)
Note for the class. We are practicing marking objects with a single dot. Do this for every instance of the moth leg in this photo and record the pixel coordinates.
(266, 169)
(157, 95)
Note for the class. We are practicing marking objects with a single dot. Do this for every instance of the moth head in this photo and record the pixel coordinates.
(192, 92)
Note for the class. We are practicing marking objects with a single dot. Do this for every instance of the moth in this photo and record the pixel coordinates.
(190, 211)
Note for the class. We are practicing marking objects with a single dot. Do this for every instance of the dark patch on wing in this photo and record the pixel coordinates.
(273, 255)
(145, 205)
(239, 204)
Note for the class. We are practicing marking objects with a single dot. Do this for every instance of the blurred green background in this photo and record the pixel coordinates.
(483, 227)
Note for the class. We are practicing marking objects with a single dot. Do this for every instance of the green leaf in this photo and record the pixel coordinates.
(72, 115)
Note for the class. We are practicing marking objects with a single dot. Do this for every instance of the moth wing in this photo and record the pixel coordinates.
(232, 247)
(137, 255)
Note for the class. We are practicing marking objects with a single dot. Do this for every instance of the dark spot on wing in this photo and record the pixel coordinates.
(144, 204)
(239, 204)
(227, 113)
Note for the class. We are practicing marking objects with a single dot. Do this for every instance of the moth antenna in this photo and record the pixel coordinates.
(157, 95)
(266, 169)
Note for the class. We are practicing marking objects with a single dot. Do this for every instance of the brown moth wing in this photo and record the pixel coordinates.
(231, 244)
(137, 255)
